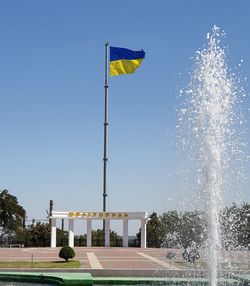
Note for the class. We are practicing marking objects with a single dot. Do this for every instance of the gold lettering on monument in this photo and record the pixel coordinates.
(71, 214)
(113, 215)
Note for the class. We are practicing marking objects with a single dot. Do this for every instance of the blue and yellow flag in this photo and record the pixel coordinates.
(123, 61)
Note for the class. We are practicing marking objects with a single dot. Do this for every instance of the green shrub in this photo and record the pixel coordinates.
(66, 253)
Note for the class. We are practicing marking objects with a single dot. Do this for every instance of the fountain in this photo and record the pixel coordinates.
(208, 113)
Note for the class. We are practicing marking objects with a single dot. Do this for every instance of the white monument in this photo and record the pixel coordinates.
(104, 216)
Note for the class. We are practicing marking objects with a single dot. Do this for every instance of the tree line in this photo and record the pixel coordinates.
(170, 229)
(175, 229)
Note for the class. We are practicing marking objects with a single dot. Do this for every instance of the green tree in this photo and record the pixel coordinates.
(193, 229)
(66, 253)
(39, 234)
(175, 230)
(235, 226)
(12, 217)
(245, 227)
(115, 239)
(97, 237)
(171, 224)
(80, 240)
(155, 231)
(184, 229)
(62, 237)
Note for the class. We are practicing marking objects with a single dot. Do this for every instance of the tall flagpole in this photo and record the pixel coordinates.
(105, 153)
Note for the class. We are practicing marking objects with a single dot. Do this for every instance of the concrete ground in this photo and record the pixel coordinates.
(102, 261)
(97, 257)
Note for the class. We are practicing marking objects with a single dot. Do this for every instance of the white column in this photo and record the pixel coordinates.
(107, 232)
(71, 232)
(143, 233)
(53, 232)
(89, 229)
(125, 233)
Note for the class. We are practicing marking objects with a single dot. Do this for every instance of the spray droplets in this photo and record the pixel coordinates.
(209, 118)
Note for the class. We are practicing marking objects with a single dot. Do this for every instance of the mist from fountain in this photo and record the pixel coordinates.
(209, 115)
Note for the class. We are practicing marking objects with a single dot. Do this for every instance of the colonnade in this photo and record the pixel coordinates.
(104, 216)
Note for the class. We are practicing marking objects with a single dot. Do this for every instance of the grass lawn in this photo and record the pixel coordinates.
(40, 264)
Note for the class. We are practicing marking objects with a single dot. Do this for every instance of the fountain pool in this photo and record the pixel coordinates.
(68, 279)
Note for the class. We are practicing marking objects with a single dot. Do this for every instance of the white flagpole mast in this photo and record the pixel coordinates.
(105, 153)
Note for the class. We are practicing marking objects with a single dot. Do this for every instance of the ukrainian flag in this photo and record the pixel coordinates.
(123, 61)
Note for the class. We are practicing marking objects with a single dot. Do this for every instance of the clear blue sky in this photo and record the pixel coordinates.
(52, 98)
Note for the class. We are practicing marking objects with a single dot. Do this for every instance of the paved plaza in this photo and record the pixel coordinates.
(97, 257)
(113, 261)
